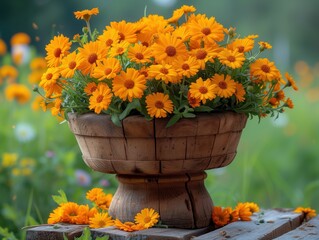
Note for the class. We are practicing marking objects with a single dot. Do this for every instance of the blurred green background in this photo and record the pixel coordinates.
(277, 163)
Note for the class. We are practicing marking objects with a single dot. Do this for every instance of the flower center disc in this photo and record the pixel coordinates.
(107, 71)
(92, 58)
(49, 76)
(122, 36)
(231, 58)
(139, 56)
(57, 52)
(164, 71)
(72, 65)
(129, 84)
(206, 31)
(203, 89)
(185, 66)
(241, 49)
(160, 105)
(265, 68)
(201, 54)
(147, 219)
(222, 84)
(170, 51)
(99, 98)
(109, 42)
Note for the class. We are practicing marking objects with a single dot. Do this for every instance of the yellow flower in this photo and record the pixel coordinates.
(188, 67)
(94, 193)
(126, 31)
(240, 92)
(108, 68)
(35, 76)
(20, 38)
(232, 59)
(58, 48)
(49, 81)
(140, 54)
(118, 49)
(203, 90)
(69, 65)
(103, 201)
(147, 217)
(253, 207)
(109, 37)
(8, 72)
(18, 92)
(36, 104)
(56, 215)
(90, 88)
(242, 45)
(193, 102)
(244, 212)
(206, 29)
(9, 159)
(264, 45)
(225, 86)
(264, 70)
(129, 85)
(86, 14)
(101, 220)
(70, 212)
(90, 55)
(38, 63)
(3, 47)
(158, 105)
(127, 226)
(308, 212)
(100, 99)
(168, 48)
(220, 216)
(164, 72)
(205, 54)
(291, 81)
(289, 103)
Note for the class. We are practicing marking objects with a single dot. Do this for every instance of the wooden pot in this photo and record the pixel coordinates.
(158, 167)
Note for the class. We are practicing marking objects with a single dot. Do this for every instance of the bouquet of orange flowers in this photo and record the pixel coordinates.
(161, 68)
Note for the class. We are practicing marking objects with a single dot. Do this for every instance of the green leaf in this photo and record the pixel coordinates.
(86, 235)
(188, 115)
(174, 120)
(102, 238)
(116, 120)
(6, 234)
(135, 104)
(203, 109)
(59, 199)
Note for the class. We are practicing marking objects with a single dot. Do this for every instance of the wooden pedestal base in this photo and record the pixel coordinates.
(181, 200)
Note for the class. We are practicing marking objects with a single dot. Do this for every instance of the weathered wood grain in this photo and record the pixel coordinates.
(272, 224)
(55, 232)
(307, 231)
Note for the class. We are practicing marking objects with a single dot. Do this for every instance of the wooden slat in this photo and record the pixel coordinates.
(275, 223)
(150, 234)
(55, 232)
(307, 231)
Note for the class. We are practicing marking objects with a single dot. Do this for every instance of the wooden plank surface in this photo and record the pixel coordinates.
(150, 234)
(55, 232)
(269, 225)
(307, 231)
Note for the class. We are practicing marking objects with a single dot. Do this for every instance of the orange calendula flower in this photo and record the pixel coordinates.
(289, 103)
(8, 72)
(109, 37)
(203, 90)
(232, 59)
(69, 65)
(18, 92)
(89, 56)
(103, 201)
(90, 88)
(242, 45)
(3, 47)
(240, 92)
(188, 67)
(49, 78)
(20, 38)
(127, 226)
(308, 212)
(193, 102)
(101, 220)
(86, 14)
(220, 216)
(158, 105)
(58, 48)
(291, 81)
(206, 29)
(38, 63)
(100, 98)
(168, 48)
(126, 31)
(128, 85)
(253, 207)
(70, 212)
(108, 68)
(225, 86)
(147, 218)
(205, 54)
(264, 70)
(56, 215)
(94, 193)
(178, 13)
(244, 212)
(36, 104)
(264, 45)
(164, 72)
(140, 54)
(119, 49)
